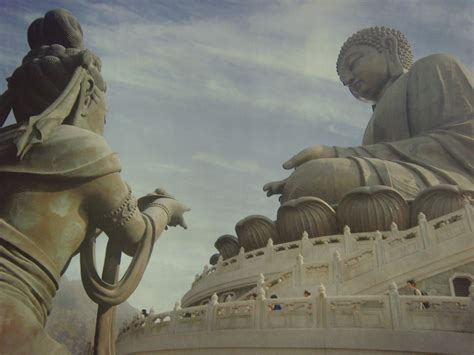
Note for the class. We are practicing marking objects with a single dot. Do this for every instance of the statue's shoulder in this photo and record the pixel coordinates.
(71, 152)
(437, 62)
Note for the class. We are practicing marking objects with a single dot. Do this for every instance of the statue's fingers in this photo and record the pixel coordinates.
(289, 164)
(267, 186)
(298, 159)
(182, 222)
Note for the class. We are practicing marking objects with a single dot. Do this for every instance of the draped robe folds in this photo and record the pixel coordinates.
(420, 135)
(27, 274)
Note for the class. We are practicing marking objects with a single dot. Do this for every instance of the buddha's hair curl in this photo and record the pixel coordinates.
(45, 73)
(374, 37)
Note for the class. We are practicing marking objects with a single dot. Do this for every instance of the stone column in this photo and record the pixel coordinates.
(424, 230)
(468, 211)
(470, 321)
(299, 272)
(174, 318)
(260, 305)
(336, 270)
(269, 251)
(241, 257)
(379, 249)
(322, 307)
(348, 240)
(395, 310)
(211, 312)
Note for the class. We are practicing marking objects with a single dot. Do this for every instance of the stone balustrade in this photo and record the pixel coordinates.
(388, 311)
(336, 260)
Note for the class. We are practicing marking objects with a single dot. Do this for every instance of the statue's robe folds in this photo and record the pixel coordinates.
(420, 135)
(27, 274)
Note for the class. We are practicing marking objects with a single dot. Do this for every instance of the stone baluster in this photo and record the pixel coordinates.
(261, 284)
(348, 240)
(148, 326)
(175, 316)
(211, 312)
(425, 230)
(220, 260)
(299, 272)
(336, 270)
(314, 310)
(322, 307)
(260, 304)
(305, 245)
(379, 249)
(394, 230)
(395, 309)
(241, 257)
(469, 215)
(269, 251)
(470, 319)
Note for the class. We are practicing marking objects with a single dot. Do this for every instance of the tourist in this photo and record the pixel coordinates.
(411, 284)
(306, 293)
(275, 306)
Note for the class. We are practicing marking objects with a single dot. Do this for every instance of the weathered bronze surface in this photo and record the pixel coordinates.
(60, 186)
(420, 133)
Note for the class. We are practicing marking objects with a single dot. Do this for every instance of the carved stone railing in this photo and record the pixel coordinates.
(389, 311)
(335, 260)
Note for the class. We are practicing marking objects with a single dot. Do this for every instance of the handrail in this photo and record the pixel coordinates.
(388, 311)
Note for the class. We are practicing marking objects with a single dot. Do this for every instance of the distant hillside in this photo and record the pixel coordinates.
(72, 321)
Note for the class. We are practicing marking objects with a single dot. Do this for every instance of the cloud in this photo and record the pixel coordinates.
(167, 168)
(208, 98)
(242, 166)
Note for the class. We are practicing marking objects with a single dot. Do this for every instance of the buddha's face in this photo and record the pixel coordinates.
(365, 71)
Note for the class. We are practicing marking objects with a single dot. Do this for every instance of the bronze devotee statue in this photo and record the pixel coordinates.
(420, 133)
(60, 186)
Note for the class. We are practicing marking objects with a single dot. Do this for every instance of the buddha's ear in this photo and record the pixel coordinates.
(395, 67)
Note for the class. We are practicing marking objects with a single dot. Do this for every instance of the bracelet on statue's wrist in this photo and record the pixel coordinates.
(164, 208)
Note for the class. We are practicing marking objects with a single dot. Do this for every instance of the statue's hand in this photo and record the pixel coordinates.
(317, 151)
(274, 187)
(177, 210)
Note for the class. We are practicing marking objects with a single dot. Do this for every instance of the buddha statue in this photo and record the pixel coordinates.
(419, 135)
(61, 185)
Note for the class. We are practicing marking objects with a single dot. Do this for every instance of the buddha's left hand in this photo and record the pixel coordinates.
(317, 151)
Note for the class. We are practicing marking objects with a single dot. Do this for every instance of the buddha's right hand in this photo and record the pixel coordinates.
(317, 151)
(174, 208)
(274, 187)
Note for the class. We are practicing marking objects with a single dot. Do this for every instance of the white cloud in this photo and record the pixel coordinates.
(242, 166)
(211, 103)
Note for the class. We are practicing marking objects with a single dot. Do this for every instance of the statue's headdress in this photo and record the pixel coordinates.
(374, 37)
(43, 91)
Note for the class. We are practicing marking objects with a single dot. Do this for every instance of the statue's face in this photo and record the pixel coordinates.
(365, 71)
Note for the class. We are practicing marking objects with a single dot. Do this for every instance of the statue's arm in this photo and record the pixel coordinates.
(110, 206)
(444, 148)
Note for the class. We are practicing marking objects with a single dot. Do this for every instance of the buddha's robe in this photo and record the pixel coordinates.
(420, 135)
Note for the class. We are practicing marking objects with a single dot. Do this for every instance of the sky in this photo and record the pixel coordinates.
(207, 98)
